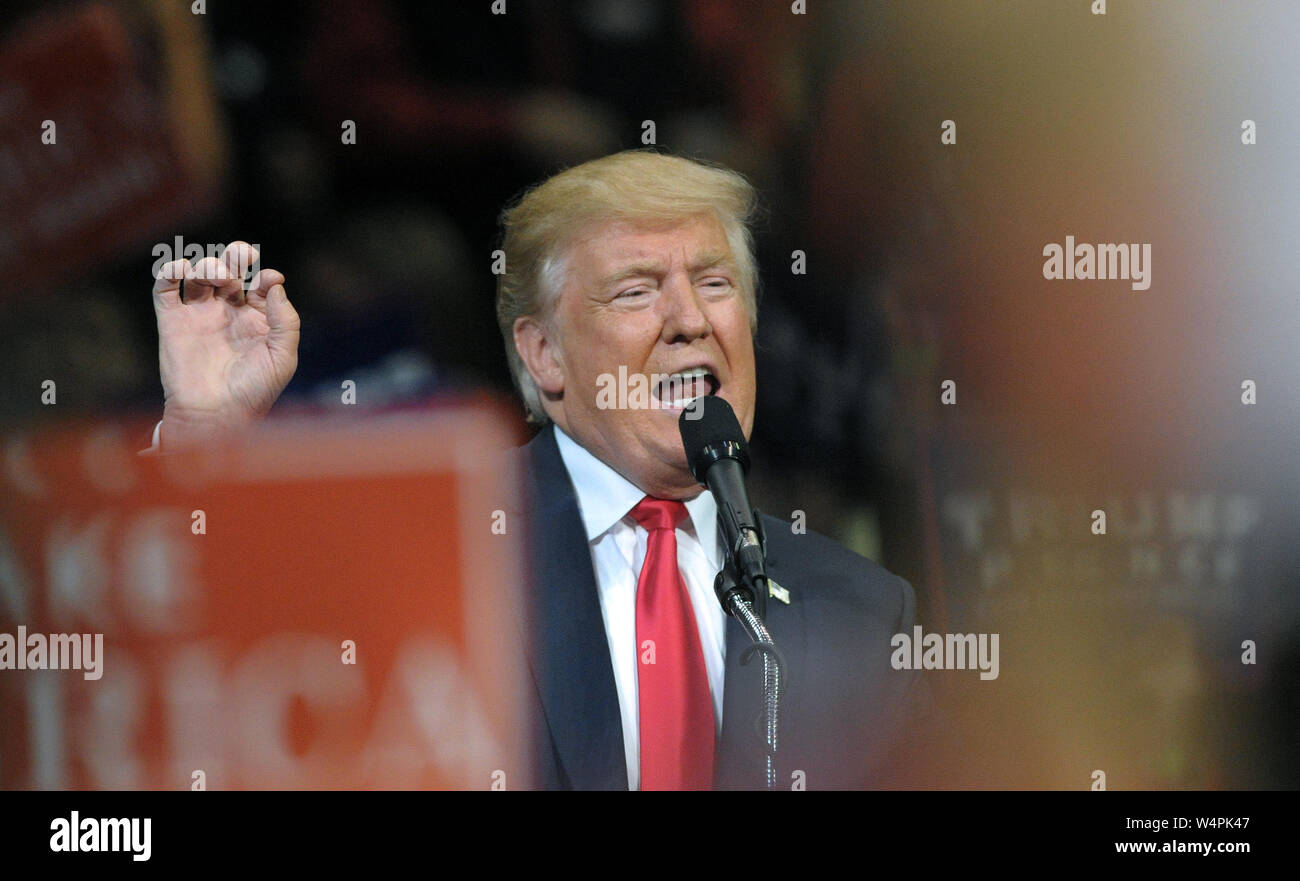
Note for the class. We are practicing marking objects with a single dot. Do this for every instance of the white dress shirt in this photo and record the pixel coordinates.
(618, 547)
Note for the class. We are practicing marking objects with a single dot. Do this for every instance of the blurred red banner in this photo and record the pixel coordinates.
(97, 147)
(323, 606)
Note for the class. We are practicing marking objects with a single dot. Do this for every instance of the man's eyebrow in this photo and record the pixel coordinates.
(630, 271)
(709, 261)
(654, 268)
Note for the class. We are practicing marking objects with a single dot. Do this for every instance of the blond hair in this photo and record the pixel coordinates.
(635, 186)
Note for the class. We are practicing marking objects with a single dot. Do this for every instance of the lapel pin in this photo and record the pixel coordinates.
(777, 591)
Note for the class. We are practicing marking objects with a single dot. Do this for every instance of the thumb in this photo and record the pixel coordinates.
(283, 327)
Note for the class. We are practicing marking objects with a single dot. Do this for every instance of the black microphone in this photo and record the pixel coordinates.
(718, 456)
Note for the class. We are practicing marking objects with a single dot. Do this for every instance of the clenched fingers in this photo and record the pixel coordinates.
(167, 286)
(260, 287)
(210, 278)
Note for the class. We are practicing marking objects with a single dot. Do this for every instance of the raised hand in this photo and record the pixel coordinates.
(224, 355)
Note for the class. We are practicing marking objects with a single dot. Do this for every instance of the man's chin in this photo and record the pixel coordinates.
(670, 476)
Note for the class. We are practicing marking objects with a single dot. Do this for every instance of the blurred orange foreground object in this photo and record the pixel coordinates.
(326, 605)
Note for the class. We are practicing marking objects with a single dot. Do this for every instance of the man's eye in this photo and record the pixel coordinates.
(633, 292)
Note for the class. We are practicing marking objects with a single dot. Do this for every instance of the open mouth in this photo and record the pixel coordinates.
(677, 391)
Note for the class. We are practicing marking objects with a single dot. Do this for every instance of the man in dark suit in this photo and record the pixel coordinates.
(845, 710)
(629, 291)
(634, 273)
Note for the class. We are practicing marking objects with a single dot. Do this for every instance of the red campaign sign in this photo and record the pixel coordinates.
(98, 148)
(324, 606)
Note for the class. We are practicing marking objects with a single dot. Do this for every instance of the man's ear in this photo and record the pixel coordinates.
(537, 348)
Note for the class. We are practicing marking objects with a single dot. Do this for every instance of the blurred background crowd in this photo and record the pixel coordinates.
(922, 265)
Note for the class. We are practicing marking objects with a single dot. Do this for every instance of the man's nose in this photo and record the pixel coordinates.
(684, 317)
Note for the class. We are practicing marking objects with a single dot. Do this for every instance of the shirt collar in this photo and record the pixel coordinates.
(605, 497)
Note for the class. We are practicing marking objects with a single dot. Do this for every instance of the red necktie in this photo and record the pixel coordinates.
(677, 728)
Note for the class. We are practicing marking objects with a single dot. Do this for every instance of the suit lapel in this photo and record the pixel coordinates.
(569, 651)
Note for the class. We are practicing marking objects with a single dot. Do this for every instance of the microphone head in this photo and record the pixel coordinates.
(710, 431)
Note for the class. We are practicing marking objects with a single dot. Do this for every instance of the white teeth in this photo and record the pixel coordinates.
(682, 381)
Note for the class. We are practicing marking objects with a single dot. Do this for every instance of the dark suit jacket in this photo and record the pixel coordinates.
(844, 707)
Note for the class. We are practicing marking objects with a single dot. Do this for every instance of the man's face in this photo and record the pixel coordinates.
(656, 300)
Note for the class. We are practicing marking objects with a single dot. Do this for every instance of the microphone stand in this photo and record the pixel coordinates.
(745, 604)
